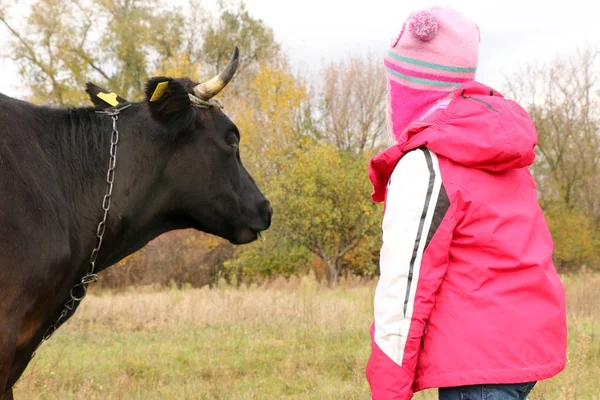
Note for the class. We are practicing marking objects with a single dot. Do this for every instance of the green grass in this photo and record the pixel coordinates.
(293, 340)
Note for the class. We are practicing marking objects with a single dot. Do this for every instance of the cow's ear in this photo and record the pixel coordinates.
(102, 98)
(169, 103)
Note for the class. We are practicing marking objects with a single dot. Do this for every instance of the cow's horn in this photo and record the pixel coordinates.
(209, 89)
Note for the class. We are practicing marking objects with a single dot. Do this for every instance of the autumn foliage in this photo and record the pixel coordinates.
(306, 139)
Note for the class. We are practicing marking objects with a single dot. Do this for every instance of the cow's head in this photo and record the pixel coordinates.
(214, 192)
(201, 182)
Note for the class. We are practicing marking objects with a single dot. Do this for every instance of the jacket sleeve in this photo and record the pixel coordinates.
(413, 262)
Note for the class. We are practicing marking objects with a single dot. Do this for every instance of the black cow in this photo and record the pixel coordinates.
(177, 166)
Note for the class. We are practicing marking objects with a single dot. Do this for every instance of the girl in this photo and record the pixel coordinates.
(468, 299)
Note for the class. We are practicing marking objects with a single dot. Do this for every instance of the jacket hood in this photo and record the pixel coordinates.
(478, 129)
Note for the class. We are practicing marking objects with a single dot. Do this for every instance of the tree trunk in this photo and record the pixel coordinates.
(334, 267)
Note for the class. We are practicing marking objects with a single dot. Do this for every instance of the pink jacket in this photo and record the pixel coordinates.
(468, 293)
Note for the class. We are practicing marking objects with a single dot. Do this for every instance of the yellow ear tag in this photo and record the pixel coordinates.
(161, 88)
(110, 98)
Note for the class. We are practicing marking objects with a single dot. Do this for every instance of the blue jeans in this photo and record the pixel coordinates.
(487, 392)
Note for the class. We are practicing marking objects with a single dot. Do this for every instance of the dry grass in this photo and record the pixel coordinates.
(294, 340)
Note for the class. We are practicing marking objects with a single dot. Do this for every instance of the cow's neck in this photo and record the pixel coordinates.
(135, 216)
(80, 150)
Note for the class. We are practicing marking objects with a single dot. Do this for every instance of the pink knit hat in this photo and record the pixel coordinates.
(436, 51)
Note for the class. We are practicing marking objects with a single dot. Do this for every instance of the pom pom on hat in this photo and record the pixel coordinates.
(423, 25)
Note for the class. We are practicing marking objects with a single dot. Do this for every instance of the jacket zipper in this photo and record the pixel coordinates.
(488, 105)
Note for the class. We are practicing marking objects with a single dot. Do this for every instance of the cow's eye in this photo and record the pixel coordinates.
(233, 140)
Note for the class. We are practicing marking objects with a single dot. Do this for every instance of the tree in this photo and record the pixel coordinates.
(323, 209)
(120, 43)
(352, 103)
(236, 27)
(563, 99)
(113, 42)
(324, 198)
(320, 194)
(268, 116)
(576, 239)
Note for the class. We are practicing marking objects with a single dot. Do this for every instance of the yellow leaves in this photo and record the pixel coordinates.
(117, 44)
(178, 65)
(277, 96)
(575, 238)
(266, 116)
(277, 89)
(323, 196)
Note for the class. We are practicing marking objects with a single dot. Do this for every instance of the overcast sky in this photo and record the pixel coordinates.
(514, 32)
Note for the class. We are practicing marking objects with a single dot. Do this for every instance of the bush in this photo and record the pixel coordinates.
(576, 239)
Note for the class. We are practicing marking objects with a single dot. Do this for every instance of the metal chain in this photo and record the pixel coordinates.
(79, 291)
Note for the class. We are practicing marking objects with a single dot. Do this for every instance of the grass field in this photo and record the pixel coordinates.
(292, 340)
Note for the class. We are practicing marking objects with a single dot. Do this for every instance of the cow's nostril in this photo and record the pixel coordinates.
(267, 211)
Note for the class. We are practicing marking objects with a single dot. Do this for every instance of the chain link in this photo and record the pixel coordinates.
(79, 291)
